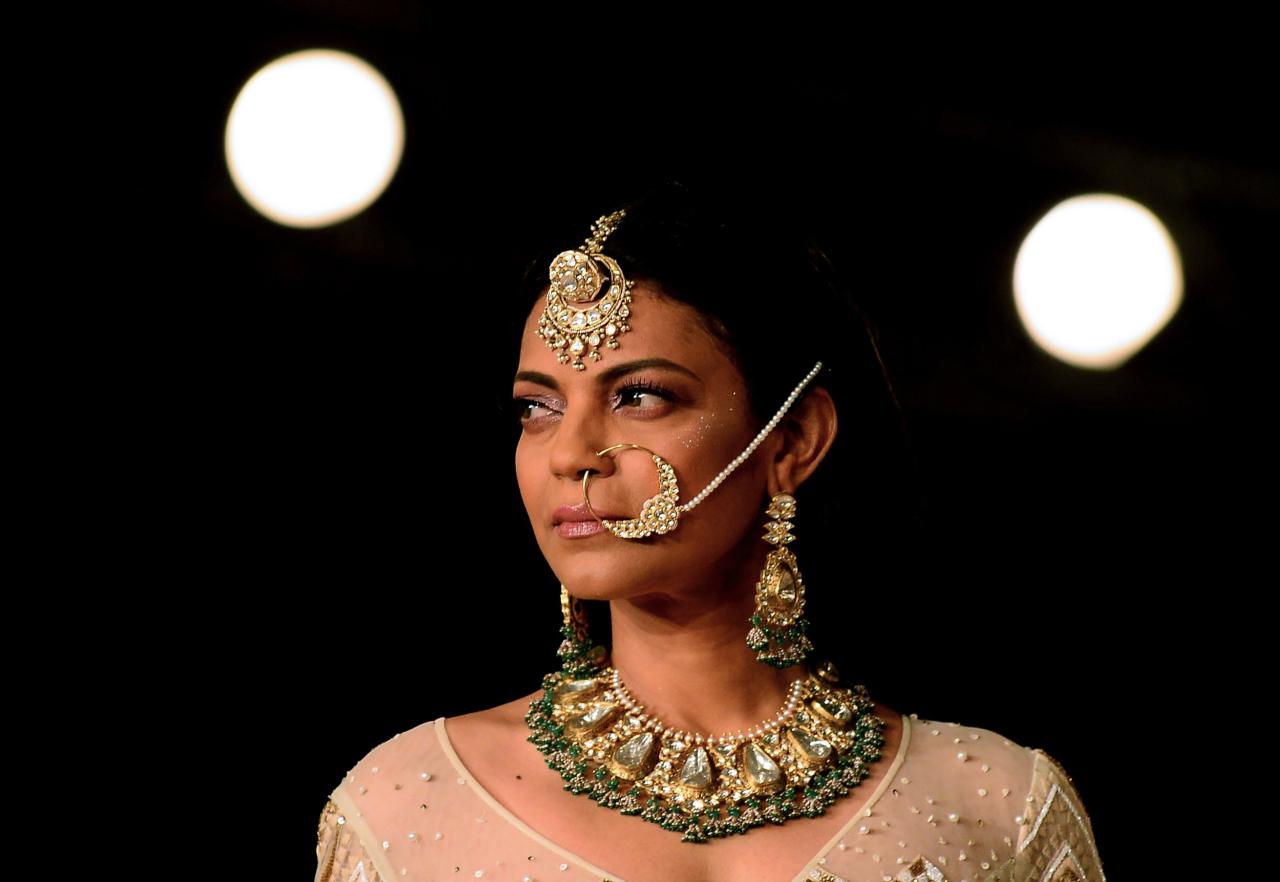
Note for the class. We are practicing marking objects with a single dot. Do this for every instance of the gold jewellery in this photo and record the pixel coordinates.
(581, 312)
(777, 626)
(601, 741)
(661, 513)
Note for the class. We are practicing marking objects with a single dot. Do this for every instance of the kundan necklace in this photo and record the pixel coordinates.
(599, 739)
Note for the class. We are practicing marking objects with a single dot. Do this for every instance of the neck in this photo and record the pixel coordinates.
(685, 656)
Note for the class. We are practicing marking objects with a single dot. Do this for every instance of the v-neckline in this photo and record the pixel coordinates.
(802, 876)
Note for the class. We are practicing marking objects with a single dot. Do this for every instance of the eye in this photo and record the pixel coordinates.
(633, 395)
(526, 410)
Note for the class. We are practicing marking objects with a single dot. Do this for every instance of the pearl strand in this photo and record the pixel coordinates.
(784, 717)
(742, 457)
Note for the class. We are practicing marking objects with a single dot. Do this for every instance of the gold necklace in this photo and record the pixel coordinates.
(597, 736)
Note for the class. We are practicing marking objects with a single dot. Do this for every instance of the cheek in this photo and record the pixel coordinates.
(707, 447)
(695, 438)
(735, 505)
(526, 473)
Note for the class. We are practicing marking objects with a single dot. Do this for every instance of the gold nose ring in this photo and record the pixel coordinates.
(660, 514)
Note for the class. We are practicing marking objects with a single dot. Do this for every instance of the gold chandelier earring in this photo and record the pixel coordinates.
(578, 654)
(777, 626)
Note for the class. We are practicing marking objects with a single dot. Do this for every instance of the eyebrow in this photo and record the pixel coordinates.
(610, 374)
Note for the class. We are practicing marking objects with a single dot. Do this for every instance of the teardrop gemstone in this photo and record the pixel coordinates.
(786, 586)
(599, 713)
(574, 690)
(632, 759)
(696, 771)
(759, 769)
(833, 710)
(812, 749)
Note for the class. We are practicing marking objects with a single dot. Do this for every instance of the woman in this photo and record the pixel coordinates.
(710, 741)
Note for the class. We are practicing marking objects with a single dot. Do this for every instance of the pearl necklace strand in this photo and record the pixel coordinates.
(784, 717)
(742, 457)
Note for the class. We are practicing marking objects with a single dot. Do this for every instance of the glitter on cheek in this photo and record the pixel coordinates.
(706, 423)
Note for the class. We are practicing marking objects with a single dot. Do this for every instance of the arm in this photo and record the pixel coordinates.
(340, 855)
(1055, 840)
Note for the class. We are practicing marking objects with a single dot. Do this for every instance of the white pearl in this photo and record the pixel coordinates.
(962, 756)
(413, 836)
(386, 844)
(953, 817)
(425, 776)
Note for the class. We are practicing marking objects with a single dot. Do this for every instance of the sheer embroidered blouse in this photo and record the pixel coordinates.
(958, 804)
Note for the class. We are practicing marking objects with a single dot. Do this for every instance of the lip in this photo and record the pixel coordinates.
(575, 522)
(566, 514)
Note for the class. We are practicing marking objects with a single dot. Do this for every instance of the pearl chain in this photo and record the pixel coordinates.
(742, 457)
(784, 717)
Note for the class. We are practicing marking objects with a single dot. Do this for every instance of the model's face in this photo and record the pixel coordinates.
(668, 387)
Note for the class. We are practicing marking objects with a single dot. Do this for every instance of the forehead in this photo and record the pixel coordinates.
(660, 328)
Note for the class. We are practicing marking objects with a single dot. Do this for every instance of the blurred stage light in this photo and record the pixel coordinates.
(314, 138)
(1096, 279)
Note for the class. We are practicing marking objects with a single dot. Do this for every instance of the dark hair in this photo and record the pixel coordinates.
(765, 288)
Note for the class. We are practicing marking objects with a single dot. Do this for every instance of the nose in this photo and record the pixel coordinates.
(573, 450)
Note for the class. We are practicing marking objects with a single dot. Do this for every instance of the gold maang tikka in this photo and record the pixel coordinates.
(582, 313)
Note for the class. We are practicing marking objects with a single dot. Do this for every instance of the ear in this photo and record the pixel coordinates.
(804, 436)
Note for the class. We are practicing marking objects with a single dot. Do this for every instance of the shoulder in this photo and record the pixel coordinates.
(968, 778)
(1021, 796)
(396, 761)
(374, 797)
(1055, 824)
(964, 754)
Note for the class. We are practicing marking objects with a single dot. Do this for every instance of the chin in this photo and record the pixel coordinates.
(602, 577)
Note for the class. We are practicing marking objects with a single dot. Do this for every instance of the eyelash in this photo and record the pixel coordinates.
(519, 405)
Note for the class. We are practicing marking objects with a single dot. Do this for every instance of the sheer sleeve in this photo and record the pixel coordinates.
(1055, 839)
(340, 855)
